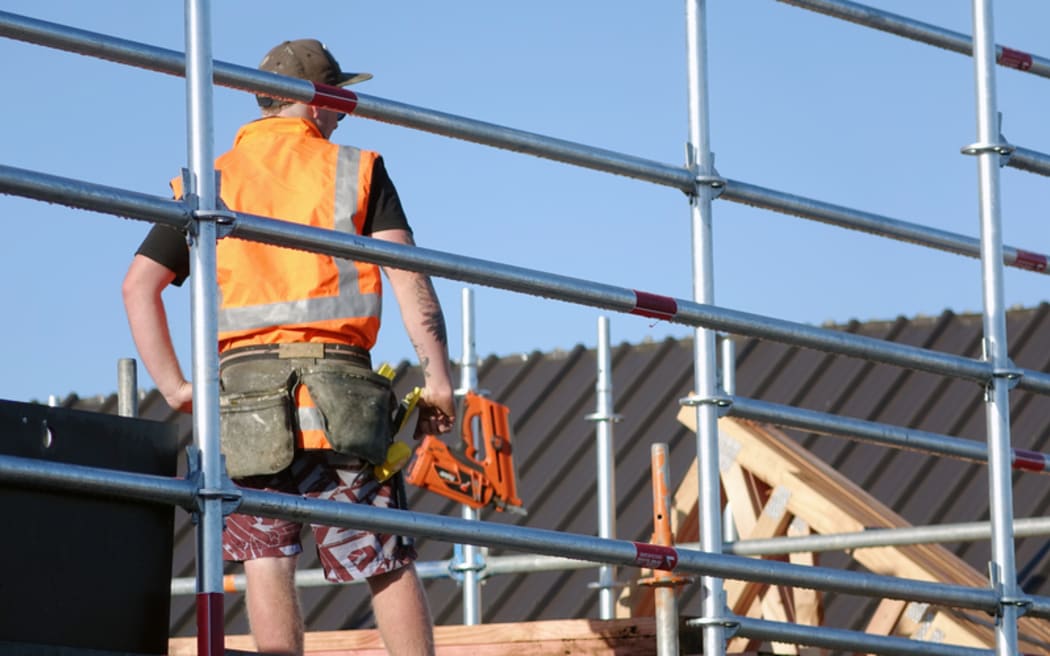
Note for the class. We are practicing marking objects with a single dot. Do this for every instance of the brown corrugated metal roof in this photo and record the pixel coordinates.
(549, 396)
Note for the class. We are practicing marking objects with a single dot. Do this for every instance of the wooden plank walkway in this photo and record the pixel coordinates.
(619, 637)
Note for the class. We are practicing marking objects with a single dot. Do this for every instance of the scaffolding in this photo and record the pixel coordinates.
(210, 495)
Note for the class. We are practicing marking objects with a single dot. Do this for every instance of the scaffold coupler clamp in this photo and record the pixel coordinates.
(612, 584)
(713, 180)
(722, 402)
(458, 566)
(665, 579)
(601, 416)
(228, 492)
(1011, 374)
(728, 622)
(223, 217)
(1021, 603)
(1002, 147)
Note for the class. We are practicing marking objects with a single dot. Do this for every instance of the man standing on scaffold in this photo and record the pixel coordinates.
(302, 411)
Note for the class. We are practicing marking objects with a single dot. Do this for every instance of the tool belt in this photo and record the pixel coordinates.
(346, 352)
(259, 418)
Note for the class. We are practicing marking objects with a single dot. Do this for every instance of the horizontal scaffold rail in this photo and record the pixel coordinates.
(1030, 160)
(872, 432)
(530, 563)
(433, 569)
(29, 472)
(933, 35)
(110, 200)
(875, 224)
(253, 80)
(843, 640)
(881, 537)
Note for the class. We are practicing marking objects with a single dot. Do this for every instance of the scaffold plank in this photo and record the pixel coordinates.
(548, 638)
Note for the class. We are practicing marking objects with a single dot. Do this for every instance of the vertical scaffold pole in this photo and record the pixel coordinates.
(702, 163)
(200, 193)
(606, 461)
(988, 151)
(727, 386)
(127, 388)
(472, 556)
(664, 591)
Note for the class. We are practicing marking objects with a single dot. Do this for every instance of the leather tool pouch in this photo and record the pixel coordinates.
(357, 405)
(256, 431)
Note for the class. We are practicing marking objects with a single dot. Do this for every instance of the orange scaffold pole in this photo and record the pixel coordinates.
(664, 582)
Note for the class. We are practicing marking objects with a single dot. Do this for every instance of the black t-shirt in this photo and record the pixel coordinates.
(167, 246)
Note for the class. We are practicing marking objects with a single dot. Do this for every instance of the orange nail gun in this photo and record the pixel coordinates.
(460, 472)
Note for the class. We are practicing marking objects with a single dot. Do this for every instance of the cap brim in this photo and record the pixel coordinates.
(346, 79)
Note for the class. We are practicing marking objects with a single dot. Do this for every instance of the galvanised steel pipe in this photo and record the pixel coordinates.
(876, 537)
(308, 578)
(471, 560)
(201, 193)
(529, 143)
(845, 640)
(29, 472)
(705, 352)
(255, 81)
(576, 290)
(83, 480)
(844, 217)
(882, 537)
(875, 433)
(518, 279)
(605, 462)
(1029, 160)
(923, 32)
(127, 388)
(621, 552)
(434, 569)
(163, 60)
(93, 197)
(1003, 569)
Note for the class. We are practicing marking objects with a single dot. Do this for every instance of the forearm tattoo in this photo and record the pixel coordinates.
(433, 319)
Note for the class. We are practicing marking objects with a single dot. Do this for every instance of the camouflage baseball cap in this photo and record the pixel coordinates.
(306, 59)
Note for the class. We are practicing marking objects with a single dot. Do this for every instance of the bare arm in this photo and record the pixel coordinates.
(425, 325)
(148, 320)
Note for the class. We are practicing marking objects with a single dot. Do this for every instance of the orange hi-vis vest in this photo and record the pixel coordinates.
(284, 168)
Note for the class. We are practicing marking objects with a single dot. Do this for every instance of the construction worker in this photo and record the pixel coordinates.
(295, 329)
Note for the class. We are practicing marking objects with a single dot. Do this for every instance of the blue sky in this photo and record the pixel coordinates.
(800, 103)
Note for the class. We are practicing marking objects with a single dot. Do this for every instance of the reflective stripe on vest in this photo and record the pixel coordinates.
(350, 302)
(310, 430)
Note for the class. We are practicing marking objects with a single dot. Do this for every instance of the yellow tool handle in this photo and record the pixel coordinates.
(408, 405)
(399, 453)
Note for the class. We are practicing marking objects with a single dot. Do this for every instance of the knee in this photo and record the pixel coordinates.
(381, 582)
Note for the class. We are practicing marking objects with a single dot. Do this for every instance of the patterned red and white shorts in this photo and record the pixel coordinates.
(346, 554)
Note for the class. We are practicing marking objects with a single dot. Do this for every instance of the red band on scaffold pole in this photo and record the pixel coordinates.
(1029, 460)
(655, 556)
(654, 306)
(1030, 261)
(336, 98)
(210, 638)
(1015, 59)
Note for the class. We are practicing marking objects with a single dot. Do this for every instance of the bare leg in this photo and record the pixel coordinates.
(273, 606)
(402, 613)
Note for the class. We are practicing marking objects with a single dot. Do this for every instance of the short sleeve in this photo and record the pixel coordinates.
(384, 205)
(167, 246)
